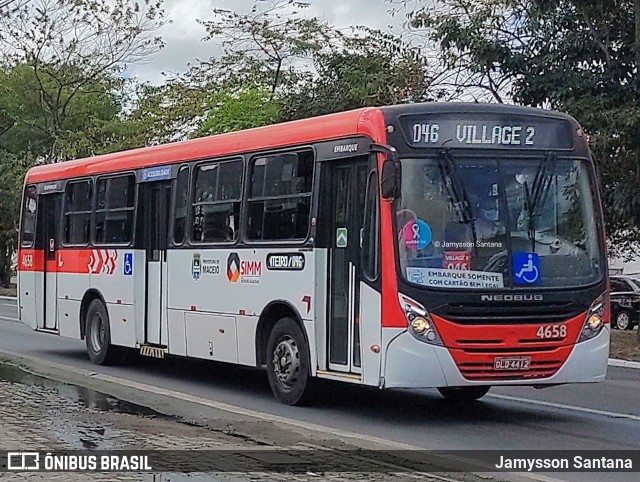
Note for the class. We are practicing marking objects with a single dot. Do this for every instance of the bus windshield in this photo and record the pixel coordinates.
(498, 223)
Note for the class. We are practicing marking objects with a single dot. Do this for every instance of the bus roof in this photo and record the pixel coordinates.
(366, 121)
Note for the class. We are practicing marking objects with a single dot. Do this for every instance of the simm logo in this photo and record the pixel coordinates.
(233, 267)
(247, 272)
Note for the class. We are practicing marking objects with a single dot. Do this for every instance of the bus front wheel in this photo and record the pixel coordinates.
(98, 337)
(288, 366)
(463, 394)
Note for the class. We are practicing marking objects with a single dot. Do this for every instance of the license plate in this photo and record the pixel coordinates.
(512, 363)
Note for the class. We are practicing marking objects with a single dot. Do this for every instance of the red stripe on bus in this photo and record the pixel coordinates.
(269, 137)
(30, 260)
(392, 314)
(78, 261)
(74, 260)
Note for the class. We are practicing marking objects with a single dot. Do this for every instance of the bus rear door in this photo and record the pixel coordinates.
(51, 211)
(153, 215)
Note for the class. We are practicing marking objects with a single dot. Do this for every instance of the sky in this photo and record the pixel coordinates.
(183, 36)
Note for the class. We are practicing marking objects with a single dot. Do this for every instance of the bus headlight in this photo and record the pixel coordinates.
(595, 319)
(421, 325)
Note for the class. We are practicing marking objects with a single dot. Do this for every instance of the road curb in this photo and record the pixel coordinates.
(614, 362)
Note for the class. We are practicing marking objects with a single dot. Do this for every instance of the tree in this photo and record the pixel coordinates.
(369, 69)
(233, 109)
(308, 67)
(70, 46)
(270, 44)
(62, 88)
(582, 57)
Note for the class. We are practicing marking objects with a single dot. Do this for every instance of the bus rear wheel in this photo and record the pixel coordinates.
(98, 337)
(463, 394)
(288, 366)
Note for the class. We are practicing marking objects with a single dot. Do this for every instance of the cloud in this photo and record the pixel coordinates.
(183, 36)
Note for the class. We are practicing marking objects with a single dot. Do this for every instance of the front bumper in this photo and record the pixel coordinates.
(414, 364)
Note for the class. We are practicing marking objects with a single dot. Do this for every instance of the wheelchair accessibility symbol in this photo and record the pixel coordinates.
(526, 268)
(128, 264)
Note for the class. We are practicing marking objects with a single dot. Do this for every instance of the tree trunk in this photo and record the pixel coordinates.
(5, 265)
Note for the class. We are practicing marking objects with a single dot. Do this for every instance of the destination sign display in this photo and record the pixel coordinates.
(484, 131)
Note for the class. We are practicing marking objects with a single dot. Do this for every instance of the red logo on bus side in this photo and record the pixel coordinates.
(103, 261)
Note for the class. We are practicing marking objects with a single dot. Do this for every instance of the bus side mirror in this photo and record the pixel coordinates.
(389, 182)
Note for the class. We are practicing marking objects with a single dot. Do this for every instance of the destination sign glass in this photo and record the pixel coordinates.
(484, 131)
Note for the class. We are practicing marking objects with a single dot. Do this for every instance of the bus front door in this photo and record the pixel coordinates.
(51, 205)
(347, 187)
(156, 203)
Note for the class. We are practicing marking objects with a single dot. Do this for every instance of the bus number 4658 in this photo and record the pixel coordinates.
(552, 331)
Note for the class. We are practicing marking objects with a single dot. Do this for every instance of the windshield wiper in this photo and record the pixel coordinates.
(455, 188)
(456, 191)
(535, 199)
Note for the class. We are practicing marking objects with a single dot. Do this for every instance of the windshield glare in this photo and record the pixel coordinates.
(507, 223)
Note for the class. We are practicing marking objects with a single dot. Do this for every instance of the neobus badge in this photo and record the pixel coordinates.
(511, 298)
(285, 261)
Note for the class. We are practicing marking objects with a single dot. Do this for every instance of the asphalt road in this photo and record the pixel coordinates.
(592, 416)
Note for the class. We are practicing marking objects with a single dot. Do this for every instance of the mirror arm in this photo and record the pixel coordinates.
(390, 151)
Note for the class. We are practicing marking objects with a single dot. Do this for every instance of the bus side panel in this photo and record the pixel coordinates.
(177, 334)
(370, 333)
(78, 271)
(122, 323)
(68, 317)
(116, 285)
(238, 283)
(108, 275)
(246, 332)
(139, 291)
(70, 291)
(72, 283)
(320, 309)
(30, 275)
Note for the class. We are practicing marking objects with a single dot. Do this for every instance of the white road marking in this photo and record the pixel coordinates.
(592, 411)
(390, 444)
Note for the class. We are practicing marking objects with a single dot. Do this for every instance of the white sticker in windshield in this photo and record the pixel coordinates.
(454, 278)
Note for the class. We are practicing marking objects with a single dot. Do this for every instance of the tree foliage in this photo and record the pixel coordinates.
(308, 67)
(233, 109)
(62, 88)
(581, 57)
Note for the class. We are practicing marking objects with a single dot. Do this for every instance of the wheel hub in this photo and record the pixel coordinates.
(286, 362)
(97, 333)
(623, 320)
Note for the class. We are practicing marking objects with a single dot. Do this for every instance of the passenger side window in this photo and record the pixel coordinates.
(181, 206)
(216, 202)
(280, 197)
(115, 201)
(78, 202)
(370, 249)
(29, 216)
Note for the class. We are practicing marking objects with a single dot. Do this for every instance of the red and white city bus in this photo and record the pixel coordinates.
(455, 246)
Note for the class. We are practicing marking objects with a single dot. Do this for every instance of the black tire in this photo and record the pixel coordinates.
(288, 365)
(97, 336)
(623, 320)
(463, 394)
